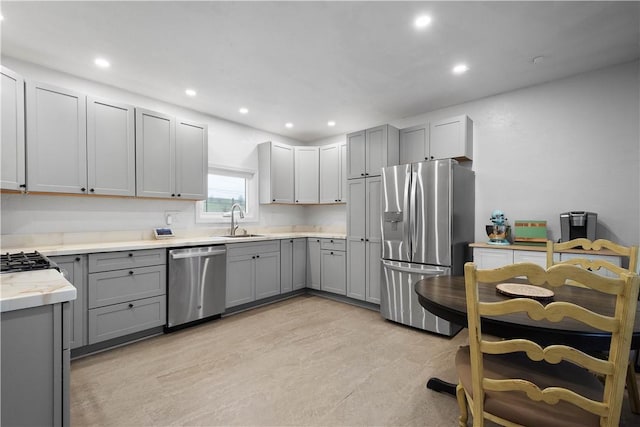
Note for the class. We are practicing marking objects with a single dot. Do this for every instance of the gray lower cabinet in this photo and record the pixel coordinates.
(356, 260)
(313, 263)
(126, 293)
(293, 264)
(35, 366)
(74, 269)
(253, 272)
(333, 264)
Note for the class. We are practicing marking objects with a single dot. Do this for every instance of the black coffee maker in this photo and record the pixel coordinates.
(578, 224)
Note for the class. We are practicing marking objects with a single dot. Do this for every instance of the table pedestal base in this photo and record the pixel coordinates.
(436, 384)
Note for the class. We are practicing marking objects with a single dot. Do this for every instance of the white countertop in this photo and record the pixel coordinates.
(92, 247)
(33, 289)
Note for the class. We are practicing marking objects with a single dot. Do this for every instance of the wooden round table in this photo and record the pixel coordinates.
(445, 297)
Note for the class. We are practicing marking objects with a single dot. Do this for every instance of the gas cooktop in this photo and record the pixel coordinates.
(25, 261)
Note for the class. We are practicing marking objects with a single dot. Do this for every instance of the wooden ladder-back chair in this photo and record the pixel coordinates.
(517, 382)
(631, 252)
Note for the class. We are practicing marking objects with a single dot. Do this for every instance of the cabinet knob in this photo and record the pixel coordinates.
(173, 195)
(426, 158)
(130, 305)
(23, 186)
(431, 157)
(361, 174)
(257, 256)
(290, 241)
(77, 259)
(331, 253)
(130, 273)
(179, 195)
(253, 257)
(83, 189)
(297, 201)
(366, 240)
(331, 240)
(92, 190)
(273, 200)
(362, 240)
(130, 254)
(318, 240)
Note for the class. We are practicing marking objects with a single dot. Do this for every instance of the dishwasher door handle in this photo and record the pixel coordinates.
(184, 255)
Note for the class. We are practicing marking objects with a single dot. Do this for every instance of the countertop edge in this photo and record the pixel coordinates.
(30, 289)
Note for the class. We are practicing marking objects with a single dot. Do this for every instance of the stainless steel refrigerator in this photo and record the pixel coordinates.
(427, 223)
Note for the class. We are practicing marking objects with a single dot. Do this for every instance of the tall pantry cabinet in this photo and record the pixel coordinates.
(368, 152)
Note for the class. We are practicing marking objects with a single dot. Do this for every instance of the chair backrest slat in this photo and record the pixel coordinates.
(631, 252)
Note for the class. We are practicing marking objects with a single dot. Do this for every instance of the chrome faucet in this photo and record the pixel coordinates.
(234, 227)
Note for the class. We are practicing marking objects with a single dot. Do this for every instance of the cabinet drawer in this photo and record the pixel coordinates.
(122, 319)
(107, 261)
(333, 244)
(236, 249)
(112, 287)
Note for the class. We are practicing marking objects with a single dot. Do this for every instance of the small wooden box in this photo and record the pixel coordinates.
(530, 232)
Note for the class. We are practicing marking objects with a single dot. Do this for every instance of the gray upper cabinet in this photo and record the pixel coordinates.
(56, 139)
(155, 154)
(451, 138)
(110, 148)
(414, 144)
(276, 172)
(307, 164)
(371, 150)
(192, 161)
(12, 155)
(333, 169)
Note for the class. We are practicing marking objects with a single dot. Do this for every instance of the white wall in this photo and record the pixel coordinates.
(230, 144)
(570, 144)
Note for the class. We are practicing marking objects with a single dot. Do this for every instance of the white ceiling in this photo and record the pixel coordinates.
(358, 63)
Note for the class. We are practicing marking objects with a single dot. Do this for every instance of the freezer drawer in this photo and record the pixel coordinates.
(399, 301)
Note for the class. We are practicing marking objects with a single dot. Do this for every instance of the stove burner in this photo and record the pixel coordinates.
(29, 261)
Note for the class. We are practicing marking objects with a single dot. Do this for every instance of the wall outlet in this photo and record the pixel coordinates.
(171, 217)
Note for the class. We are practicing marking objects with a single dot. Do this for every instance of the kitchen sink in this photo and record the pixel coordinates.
(244, 235)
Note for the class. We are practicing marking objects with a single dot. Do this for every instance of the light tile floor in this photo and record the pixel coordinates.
(304, 361)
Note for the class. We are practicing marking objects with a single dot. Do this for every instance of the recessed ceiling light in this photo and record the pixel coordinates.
(102, 63)
(288, 125)
(331, 123)
(422, 21)
(243, 110)
(191, 92)
(460, 69)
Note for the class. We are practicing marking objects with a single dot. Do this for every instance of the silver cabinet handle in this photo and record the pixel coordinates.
(180, 255)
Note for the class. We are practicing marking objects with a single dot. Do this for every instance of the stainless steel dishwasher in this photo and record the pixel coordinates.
(197, 281)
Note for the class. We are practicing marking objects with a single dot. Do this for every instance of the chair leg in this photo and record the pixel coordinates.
(632, 389)
(462, 403)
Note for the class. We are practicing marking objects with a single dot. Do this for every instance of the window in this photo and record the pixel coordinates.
(227, 186)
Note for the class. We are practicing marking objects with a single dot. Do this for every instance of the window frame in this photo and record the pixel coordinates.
(251, 177)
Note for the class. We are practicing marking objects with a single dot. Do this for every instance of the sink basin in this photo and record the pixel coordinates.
(243, 235)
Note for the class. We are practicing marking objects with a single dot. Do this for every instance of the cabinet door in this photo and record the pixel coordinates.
(282, 173)
(373, 271)
(74, 268)
(313, 263)
(286, 265)
(376, 153)
(535, 257)
(343, 173)
(332, 272)
(299, 263)
(307, 164)
(414, 144)
(356, 208)
(330, 169)
(451, 138)
(155, 154)
(373, 230)
(192, 162)
(356, 155)
(56, 139)
(240, 280)
(492, 258)
(12, 168)
(110, 148)
(267, 275)
(356, 268)
(117, 320)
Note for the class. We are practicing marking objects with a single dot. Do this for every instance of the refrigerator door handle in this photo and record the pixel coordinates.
(406, 234)
(425, 271)
(414, 215)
